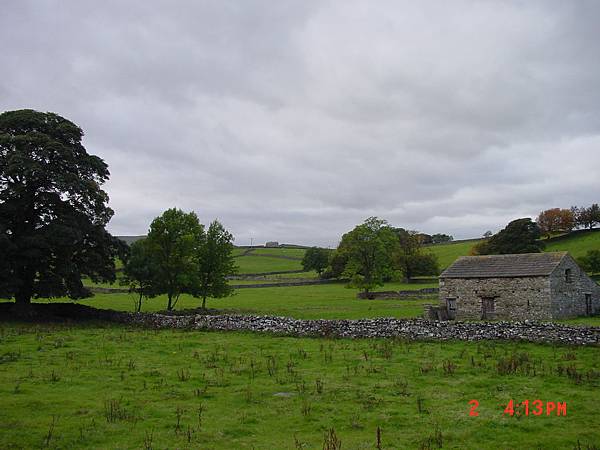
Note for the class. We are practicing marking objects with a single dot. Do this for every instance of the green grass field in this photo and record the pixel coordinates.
(99, 386)
(447, 253)
(259, 264)
(291, 252)
(329, 301)
(576, 243)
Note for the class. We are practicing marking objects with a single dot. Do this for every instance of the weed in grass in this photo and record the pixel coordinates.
(355, 422)
(131, 364)
(421, 405)
(298, 444)
(331, 441)
(178, 415)
(148, 438)
(513, 363)
(305, 407)
(401, 387)
(433, 441)
(183, 374)
(378, 439)
(425, 368)
(248, 394)
(449, 367)
(319, 386)
(54, 377)
(50, 432)
(114, 411)
(271, 365)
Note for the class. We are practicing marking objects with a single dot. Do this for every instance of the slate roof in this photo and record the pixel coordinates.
(504, 266)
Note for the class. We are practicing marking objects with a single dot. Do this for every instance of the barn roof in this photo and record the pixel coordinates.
(500, 266)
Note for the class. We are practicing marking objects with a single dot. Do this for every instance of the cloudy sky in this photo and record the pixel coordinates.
(296, 120)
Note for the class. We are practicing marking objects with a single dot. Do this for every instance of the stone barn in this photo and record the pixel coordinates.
(537, 286)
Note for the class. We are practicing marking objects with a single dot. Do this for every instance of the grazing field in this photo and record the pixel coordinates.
(576, 243)
(289, 252)
(105, 386)
(328, 301)
(447, 253)
(259, 264)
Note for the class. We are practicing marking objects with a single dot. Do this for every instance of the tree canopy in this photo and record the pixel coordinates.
(519, 236)
(53, 211)
(410, 258)
(369, 249)
(315, 258)
(173, 243)
(215, 263)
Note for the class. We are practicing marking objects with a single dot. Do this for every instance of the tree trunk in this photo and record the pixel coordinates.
(22, 306)
(170, 304)
(204, 302)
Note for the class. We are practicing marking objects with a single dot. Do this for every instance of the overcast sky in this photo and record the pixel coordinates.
(296, 120)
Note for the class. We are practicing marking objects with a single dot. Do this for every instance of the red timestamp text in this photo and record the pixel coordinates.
(526, 408)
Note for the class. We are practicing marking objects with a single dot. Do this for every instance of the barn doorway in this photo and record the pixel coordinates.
(588, 304)
(451, 308)
(488, 308)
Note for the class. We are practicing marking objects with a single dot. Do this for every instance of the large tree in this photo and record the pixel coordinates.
(519, 236)
(53, 211)
(173, 243)
(369, 249)
(215, 263)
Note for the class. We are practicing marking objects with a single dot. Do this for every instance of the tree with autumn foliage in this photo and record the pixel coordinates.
(556, 220)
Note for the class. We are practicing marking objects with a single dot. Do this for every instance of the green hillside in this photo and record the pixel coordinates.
(447, 253)
(577, 243)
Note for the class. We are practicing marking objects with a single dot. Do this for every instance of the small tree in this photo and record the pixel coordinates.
(173, 242)
(588, 217)
(315, 258)
(370, 248)
(410, 258)
(139, 272)
(440, 238)
(215, 263)
(488, 234)
(519, 236)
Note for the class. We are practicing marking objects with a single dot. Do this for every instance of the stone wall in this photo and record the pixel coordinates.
(521, 298)
(380, 295)
(410, 329)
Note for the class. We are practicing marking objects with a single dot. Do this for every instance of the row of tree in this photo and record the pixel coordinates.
(557, 220)
(372, 253)
(179, 256)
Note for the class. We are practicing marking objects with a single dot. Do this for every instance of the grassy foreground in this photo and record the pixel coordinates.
(98, 386)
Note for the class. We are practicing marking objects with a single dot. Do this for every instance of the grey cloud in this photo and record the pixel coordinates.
(295, 120)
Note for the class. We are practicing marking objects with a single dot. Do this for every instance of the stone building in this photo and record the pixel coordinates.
(538, 286)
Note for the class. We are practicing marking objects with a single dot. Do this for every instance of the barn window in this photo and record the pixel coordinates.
(568, 276)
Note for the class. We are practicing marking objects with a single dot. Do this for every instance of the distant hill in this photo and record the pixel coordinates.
(577, 243)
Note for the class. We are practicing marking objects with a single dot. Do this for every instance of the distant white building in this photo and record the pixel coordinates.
(272, 244)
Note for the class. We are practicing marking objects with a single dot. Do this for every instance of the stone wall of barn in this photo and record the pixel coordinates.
(523, 298)
(568, 295)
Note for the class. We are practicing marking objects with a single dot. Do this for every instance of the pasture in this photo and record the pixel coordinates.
(105, 386)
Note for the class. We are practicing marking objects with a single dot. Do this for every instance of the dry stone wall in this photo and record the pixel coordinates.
(412, 329)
